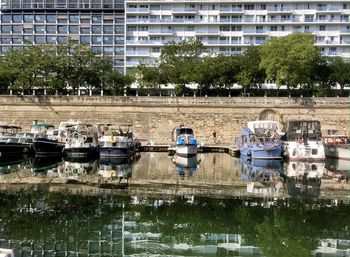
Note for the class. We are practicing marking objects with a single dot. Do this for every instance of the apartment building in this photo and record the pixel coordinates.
(99, 23)
(230, 27)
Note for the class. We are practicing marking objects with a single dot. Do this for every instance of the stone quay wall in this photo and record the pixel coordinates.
(154, 118)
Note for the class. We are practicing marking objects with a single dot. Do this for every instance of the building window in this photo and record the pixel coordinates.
(96, 49)
(248, 7)
(119, 28)
(345, 6)
(96, 39)
(28, 38)
(6, 18)
(39, 28)
(84, 30)
(28, 18)
(62, 39)
(51, 39)
(16, 29)
(132, 28)
(74, 18)
(273, 28)
(73, 29)
(51, 18)
(40, 18)
(108, 39)
(96, 29)
(322, 28)
(51, 29)
(17, 40)
(40, 39)
(28, 30)
(96, 19)
(62, 29)
(6, 40)
(62, 21)
(108, 29)
(155, 49)
(85, 21)
(5, 28)
(17, 18)
(84, 39)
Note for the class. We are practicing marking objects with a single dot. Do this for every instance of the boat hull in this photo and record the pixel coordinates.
(48, 147)
(81, 152)
(313, 151)
(337, 151)
(186, 150)
(116, 152)
(14, 148)
(268, 153)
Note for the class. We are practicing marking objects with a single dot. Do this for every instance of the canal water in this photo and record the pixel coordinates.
(159, 205)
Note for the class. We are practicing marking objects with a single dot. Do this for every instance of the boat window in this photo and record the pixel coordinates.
(185, 131)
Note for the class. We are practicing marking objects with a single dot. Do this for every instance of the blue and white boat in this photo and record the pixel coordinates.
(260, 140)
(186, 143)
(116, 140)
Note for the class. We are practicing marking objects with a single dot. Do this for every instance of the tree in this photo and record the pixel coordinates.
(250, 75)
(150, 78)
(119, 83)
(340, 72)
(179, 61)
(289, 60)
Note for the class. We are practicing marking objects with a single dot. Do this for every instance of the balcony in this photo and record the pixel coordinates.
(255, 31)
(161, 32)
(184, 10)
(280, 10)
(329, 9)
(207, 32)
(137, 10)
(231, 10)
(137, 53)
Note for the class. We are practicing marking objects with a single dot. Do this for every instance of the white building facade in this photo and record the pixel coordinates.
(230, 27)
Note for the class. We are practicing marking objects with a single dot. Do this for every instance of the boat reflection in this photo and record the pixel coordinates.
(46, 164)
(11, 164)
(117, 168)
(262, 176)
(303, 179)
(75, 167)
(186, 165)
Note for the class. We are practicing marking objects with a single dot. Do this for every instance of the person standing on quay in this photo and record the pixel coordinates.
(214, 136)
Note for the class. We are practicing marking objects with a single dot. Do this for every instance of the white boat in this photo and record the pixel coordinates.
(116, 140)
(186, 143)
(81, 141)
(260, 140)
(337, 146)
(303, 141)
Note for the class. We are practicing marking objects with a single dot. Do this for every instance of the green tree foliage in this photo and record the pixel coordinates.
(179, 62)
(250, 76)
(340, 72)
(149, 78)
(290, 60)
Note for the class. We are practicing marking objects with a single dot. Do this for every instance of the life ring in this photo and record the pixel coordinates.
(84, 137)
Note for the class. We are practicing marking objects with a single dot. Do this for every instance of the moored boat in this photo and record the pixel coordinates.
(186, 143)
(81, 141)
(337, 146)
(303, 141)
(116, 140)
(12, 145)
(260, 140)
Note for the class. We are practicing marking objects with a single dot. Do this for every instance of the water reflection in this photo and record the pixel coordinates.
(59, 224)
(186, 166)
(261, 176)
(218, 173)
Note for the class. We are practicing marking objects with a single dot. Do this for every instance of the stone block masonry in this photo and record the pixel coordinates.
(155, 118)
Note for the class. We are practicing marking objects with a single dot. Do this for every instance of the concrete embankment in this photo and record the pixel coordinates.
(155, 118)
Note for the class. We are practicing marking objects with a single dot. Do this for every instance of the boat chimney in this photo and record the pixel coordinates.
(34, 122)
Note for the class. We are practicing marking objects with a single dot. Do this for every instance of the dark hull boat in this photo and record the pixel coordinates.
(47, 147)
(14, 148)
(81, 152)
(116, 152)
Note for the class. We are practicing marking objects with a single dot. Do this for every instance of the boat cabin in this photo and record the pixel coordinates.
(115, 130)
(303, 129)
(9, 130)
(183, 131)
